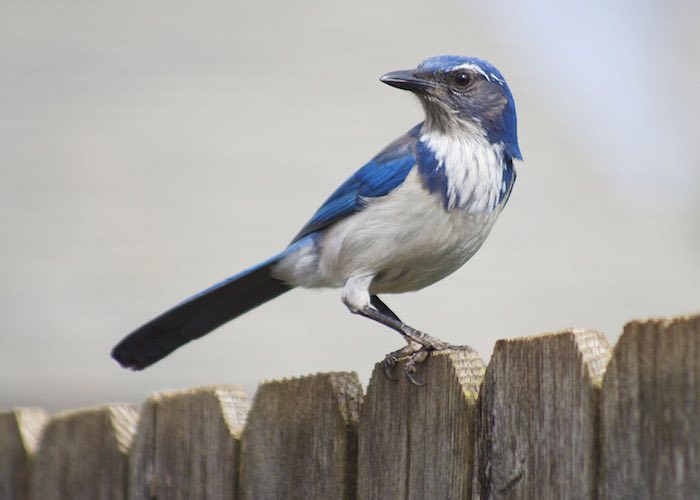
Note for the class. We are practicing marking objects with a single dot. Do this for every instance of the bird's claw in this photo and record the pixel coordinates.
(392, 359)
(388, 366)
(414, 354)
(411, 378)
(411, 365)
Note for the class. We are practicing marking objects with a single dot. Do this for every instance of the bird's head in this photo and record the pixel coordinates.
(462, 94)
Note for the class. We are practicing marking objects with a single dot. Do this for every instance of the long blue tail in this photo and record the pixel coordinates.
(199, 315)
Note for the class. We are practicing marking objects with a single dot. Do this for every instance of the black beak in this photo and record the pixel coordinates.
(406, 80)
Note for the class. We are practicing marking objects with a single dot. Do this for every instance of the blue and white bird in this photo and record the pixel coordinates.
(411, 216)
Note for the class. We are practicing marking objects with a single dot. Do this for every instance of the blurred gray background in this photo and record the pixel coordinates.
(149, 149)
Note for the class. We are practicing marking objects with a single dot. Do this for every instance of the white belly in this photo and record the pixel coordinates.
(406, 239)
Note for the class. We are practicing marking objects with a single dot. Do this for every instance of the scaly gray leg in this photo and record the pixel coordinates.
(419, 346)
(380, 306)
(358, 300)
(425, 340)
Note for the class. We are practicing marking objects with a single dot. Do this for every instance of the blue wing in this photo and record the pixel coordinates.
(377, 178)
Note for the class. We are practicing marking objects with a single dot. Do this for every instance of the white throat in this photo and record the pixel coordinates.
(472, 166)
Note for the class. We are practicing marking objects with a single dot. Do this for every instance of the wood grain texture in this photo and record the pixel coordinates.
(417, 442)
(188, 444)
(537, 429)
(300, 441)
(650, 412)
(20, 430)
(83, 454)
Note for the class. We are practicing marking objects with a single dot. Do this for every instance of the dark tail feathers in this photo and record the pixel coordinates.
(198, 316)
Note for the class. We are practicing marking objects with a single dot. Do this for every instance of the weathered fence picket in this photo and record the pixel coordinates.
(417, 442)
(83, 454)
(300, 441)
(188, 445)
(537, 429)
(20, 430)
(650, 412)
(552, 416)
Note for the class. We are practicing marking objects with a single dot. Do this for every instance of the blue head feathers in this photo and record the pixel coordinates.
(456, 89)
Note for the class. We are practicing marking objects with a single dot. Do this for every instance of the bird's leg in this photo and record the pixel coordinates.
(410, 333)
(413, 350)
(380, 306)
(393, 357)
(356, 297)
(419, 346)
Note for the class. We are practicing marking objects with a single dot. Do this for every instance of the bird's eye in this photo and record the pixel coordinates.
(461, 79)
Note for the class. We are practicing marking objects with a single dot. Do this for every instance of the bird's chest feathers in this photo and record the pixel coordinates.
(469, 173)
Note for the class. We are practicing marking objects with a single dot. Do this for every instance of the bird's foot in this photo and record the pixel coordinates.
(392, 359)
(419, 347)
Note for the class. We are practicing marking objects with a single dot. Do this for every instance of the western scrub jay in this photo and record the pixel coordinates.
(411, 216)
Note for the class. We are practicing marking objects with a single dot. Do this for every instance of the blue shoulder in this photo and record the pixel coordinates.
(377, 178)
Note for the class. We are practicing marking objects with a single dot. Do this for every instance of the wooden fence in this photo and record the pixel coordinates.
(552, 416)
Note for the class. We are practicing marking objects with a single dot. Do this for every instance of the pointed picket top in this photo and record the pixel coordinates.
(650, 407)
(83, 454)
(417, 441)
(188, 444)
(537, 430)
(300, 440)
(20, 431)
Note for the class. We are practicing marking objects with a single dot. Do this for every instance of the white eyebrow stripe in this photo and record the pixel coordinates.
(495, 77)
(475, 68)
